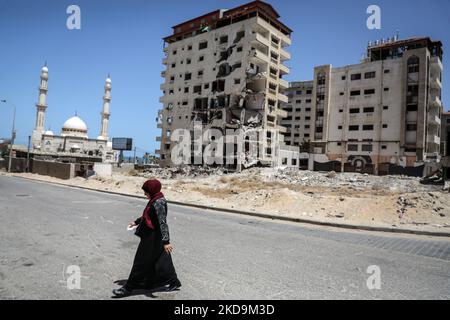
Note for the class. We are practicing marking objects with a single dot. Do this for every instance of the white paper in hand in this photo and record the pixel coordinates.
(131, 228)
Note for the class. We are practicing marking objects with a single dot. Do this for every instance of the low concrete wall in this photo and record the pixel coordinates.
(17, 164)
(54, 169)
(103, 169)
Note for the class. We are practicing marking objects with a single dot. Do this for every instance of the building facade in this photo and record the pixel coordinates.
(224, 70)
(445, 134)
(382, 115)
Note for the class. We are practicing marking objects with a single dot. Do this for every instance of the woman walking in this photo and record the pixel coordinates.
(152, 266)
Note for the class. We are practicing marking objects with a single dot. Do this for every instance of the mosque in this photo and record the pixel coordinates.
(73, 142)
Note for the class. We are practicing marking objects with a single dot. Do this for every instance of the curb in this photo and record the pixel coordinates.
(265, 215)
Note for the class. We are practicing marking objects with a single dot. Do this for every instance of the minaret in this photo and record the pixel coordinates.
(105, 113)
(41, 106)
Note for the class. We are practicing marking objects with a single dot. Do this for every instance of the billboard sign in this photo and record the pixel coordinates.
(125, 144)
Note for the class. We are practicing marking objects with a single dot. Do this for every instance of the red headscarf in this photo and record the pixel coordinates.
(153, 188)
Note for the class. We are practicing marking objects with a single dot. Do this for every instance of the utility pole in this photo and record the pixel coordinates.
(13, 135)
(28, 154)
(134, 155)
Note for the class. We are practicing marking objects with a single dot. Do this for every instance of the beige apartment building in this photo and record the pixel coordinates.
(380, 116)
(299, 106)
(225, 70)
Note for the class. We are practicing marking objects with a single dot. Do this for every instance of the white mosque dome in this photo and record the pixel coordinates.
(108, 80)
(74, 127)
(45, 69)
(101, 138)
(75, 123)
(49, 133)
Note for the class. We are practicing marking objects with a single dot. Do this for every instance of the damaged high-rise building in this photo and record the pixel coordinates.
(225, 70)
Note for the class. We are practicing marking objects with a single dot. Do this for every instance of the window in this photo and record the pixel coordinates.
(239, 36)
(356, 76)
(369, 91)
(184, 103)
(355, 93)
(385, 107)
(239, 49)
(307, 118)
(307, 126)
(339, 127)
(320, 79)
(197, 89)
(413, 64)
(339, 143)
(367, 127)
(237, 65)
(203, 45)
(352, 147)
(237, 81)
(187, 76)
(298, 92)
(200, 74)
(369, 75)
(188, 61)
(383, 147)
(386, 89)
(201, 58)
(174, 52)
(307, 109)
(189, 47)
(411, 107)
(223, 39)
(366, 147)
(343, 77)
(369, 109)
(298, 101)
(385, 126)
(411, 127)
(173, 65)
(206, 86)
(341, 110)
(297, 118)
(186, 90)
(308, 91)
(308, 101)
(341, 93)
(353, 128)
(354, 110)
(387, 71)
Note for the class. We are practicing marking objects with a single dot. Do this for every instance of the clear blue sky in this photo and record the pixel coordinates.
(124, 38)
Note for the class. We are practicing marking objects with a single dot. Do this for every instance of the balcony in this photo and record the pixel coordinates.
(284, 55)
(436, 84)
(434, 120)
(282, 113)
(282, 98)
(258, 55)
(436, 64)
(258, 38)
(433, 139)
(436, 102)
(283, 69)
(283, 84)
(281, 129)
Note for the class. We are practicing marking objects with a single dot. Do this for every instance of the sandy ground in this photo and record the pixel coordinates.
(343, 197)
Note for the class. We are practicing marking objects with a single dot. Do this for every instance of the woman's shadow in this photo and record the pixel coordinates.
(144, 291)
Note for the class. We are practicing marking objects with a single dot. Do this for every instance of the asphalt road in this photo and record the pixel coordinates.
(44, 229)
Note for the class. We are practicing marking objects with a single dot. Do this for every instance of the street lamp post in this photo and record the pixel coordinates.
(13, 135)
